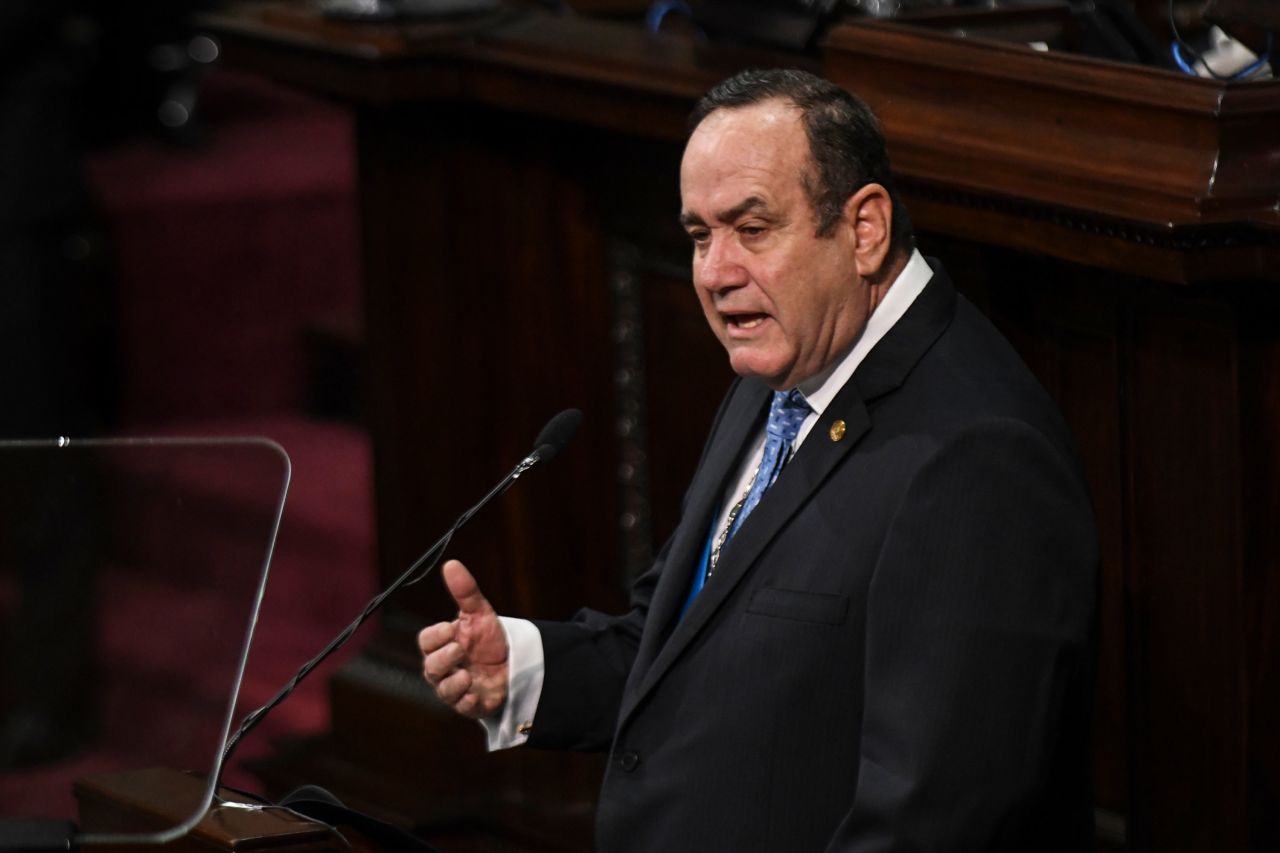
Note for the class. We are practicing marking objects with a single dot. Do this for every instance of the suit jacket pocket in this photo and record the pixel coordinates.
(827, 608)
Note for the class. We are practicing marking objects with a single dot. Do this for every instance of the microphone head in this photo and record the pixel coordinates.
(556, 434)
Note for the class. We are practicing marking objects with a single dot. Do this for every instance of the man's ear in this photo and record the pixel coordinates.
(870, 211)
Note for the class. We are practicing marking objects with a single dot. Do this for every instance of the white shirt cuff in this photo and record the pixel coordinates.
(525, 668)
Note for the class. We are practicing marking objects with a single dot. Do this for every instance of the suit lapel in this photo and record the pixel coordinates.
(795, 485)
(742, 419)
(883, 370)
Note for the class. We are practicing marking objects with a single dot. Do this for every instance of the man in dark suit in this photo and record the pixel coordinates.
(871, 628)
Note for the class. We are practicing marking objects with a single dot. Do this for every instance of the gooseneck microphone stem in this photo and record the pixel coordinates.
(524, 465)
(554, 436)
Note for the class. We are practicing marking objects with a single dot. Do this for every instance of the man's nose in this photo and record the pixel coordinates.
(720, 267)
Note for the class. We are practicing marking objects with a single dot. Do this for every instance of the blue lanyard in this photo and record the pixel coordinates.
(700, 570)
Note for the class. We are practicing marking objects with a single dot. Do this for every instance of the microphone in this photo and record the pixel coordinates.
(556, 434)
(553, 438)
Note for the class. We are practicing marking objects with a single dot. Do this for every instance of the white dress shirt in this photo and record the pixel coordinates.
(525, 660)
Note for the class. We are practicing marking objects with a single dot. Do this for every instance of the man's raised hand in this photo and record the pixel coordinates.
(466, 660)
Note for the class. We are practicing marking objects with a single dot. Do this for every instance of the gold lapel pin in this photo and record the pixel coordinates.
(837, 430)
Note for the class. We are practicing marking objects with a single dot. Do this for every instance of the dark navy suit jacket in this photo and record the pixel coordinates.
(894, 653)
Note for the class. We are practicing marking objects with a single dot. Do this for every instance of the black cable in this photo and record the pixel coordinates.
(430, 559)
(1180, 46)
(337, 642)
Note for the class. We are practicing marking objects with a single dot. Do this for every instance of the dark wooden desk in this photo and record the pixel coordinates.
(156, 799)
(518, 185)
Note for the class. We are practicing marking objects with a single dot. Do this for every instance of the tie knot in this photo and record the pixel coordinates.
(787, 412)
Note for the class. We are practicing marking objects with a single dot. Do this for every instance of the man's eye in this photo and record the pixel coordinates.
(751, 230)
(699, 236)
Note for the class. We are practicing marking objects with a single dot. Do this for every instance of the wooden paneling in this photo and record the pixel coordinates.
(1258, 368)
(1185, 547)
(1122, 140)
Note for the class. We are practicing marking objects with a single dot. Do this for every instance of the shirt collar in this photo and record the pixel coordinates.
(821, 389)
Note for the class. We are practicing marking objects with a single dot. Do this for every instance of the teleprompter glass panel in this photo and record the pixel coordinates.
(131, 572)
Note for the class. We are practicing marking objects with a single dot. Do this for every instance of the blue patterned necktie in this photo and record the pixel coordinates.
(786, 414)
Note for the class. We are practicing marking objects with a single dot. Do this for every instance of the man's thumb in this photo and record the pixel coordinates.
(463, 587)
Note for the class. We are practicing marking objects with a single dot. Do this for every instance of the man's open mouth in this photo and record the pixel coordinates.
(745, 321)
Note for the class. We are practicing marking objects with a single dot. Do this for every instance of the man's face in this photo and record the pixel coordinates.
(784, 302)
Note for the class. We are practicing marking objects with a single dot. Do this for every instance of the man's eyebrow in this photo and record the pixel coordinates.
(688, 220)
(747, 205)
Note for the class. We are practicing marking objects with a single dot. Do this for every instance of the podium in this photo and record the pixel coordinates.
(518, 180)
(151, 799)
